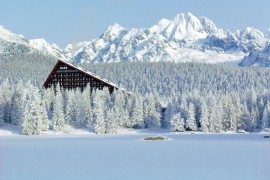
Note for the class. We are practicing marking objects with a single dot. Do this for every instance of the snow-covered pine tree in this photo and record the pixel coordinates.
(49, 99)
(229, 116)
(244, 121)
(152, 116)
(44, 117)
(1, 114)
(266, 117)
(35, 116)
(69, 113)
(215, 118)
(80, 118)
(17, 104)
(204, 121)
(165, 123)
(191, 121)
(87, 105)
(118, 107)
(111, 124)
(237, 108)
(58, 121)
(76, 107)
(98, 111)
(1, 107)
(177, 123)
(27, 125)
(7, 97)
(261, 108)
(253, 118)
(137, 113)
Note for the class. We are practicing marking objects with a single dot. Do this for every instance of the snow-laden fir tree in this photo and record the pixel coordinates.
(266, 117)
(243, 123)
(204, 121)
(80, 115)
(177, 123)
(261, 108)
(137, 113)
(237, 108)
(253, 118)
(58, 120)
(1, 114)
(118, 107)
(191, 121)
(44, 117)
(35, 114)
(229, 116)
(165, 123)
(215, 121)
(76, 108)
(87, 105)
(7, 97)
(17, 104)
(1, 108)
(98, 111)
(111, 124)
(151, 115)
(27, 123)
(69, 107)
(49, 99)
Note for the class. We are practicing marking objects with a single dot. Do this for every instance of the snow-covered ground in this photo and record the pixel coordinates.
(115, 157)
(13, 130)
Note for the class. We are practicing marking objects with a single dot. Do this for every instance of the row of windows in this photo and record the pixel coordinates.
(69, 75)
(63, 67)
(75, 84)
(76, 79)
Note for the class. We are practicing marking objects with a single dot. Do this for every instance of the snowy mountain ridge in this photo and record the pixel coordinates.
(184, 38)
(43, 46)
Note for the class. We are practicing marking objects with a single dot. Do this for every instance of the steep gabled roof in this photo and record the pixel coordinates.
(105, 81)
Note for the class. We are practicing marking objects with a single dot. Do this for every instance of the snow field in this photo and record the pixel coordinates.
(188, 157)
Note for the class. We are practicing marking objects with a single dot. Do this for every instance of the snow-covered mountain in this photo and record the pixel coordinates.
(184, 38)
(259, 58)
(50, 49)
(11, 43)
(181, 39)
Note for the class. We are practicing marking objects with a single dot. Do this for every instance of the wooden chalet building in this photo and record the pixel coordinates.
(70, 77)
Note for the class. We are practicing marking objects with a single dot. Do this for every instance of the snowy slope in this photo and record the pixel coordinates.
(6, 35)
(46, 48)
(11, 43)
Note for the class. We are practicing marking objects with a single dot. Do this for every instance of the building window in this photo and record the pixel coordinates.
(63, 67)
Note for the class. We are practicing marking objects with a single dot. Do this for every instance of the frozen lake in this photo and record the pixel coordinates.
(185, 157)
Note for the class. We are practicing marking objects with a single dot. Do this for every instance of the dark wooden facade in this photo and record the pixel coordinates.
(70, 77)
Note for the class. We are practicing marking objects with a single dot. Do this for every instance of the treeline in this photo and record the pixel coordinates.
(36, 110)
(169, 79)
(205, 97)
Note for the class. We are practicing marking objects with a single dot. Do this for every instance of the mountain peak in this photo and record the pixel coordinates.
(116, 27)
(112, 32)
(163, 23)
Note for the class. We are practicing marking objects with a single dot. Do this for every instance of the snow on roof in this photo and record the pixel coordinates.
(96, 76)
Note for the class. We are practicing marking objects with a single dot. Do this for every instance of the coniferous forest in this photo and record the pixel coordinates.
(177, 96)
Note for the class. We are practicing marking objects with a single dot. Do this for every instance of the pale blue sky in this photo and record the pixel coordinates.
(69, 21)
